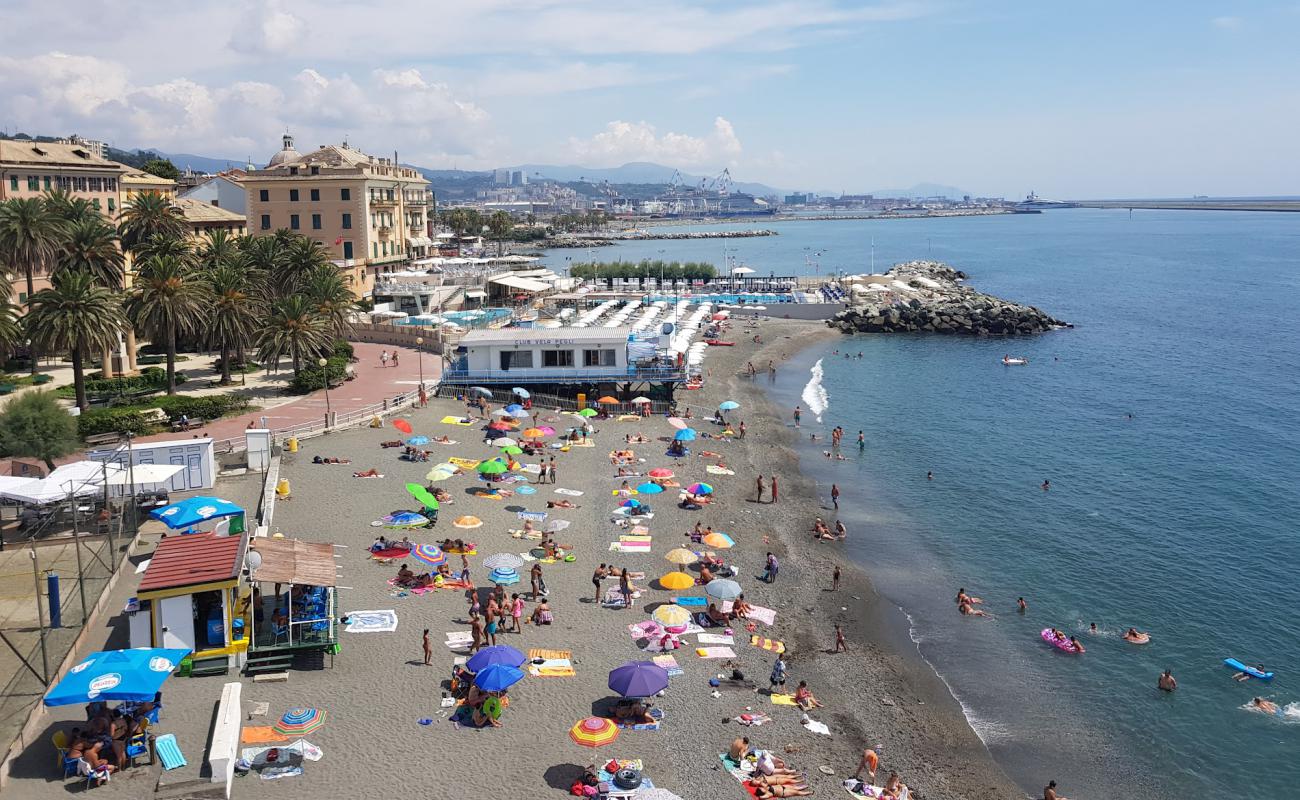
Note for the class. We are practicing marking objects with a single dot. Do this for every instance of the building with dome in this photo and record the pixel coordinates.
(369, 211)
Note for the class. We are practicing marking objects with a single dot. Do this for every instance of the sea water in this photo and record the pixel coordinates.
(1167, 423)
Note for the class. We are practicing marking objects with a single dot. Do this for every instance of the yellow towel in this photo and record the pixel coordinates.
(767, 644)
(554, 672)
(463, 463)
(456, 421)
(782, 699)
(539, 652)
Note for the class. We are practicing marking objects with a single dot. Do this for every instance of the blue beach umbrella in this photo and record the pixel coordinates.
(498, 677)
(504, 576)
(496, 654)
(513, 409)
(417, 440)
(193, 510)
(728, 405)
(685, 435)
(649, 488)
(638, 679)
(521, 392)
(134, 675)
(631, 502)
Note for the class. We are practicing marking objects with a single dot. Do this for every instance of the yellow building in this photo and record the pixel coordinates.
(136, 183)
(203, 218)
(369, 212)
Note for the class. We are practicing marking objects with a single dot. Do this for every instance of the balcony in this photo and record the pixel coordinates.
(384, 231)
(417, 201)
(383, 202)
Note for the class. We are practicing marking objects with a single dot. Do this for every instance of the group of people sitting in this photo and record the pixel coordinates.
(823, 532)
(410, 580)
(622, 457)
(103, 742)
(740, 609)
(771, 776)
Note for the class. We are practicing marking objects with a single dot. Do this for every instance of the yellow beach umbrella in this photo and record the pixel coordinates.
(533, 433)
(468, 522)
(670, 615)
(680, 555)
(594, 732)
(677, 581)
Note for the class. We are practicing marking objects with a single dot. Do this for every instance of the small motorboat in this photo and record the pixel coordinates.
(1014, 362)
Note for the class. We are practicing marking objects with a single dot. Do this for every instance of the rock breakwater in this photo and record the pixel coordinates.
(929, 297)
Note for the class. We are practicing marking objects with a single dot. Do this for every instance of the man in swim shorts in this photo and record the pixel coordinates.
(1166, 681)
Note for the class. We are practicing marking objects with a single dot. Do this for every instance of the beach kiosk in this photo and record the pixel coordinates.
(188, 598)
(294, 613)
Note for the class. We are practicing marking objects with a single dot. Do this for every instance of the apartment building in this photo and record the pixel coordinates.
(369, 212)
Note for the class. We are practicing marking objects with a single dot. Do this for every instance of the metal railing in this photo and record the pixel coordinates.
(457, 373)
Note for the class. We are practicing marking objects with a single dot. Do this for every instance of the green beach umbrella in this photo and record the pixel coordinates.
(421, 494)
(588, 412)
(512, 450)
(492, 467)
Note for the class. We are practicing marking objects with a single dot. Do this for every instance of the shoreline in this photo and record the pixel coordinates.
(926, 733)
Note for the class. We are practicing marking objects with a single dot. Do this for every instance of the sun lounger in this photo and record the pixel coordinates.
(715, 652)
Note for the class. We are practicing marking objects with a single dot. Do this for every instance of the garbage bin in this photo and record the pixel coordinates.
(292, 444)
(282, 488)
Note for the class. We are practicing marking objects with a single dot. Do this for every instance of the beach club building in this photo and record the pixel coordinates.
(561, 357)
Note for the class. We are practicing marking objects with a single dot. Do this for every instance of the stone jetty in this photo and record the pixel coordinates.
(930, 297)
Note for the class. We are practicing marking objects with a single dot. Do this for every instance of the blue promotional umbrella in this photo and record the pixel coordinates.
(638, 679)
(521, 392)
(649, 488)
(728, 405)
(417, 440)
(498, 677)
(134, 675)
(496, 654)
(685, 435)
(193, 510)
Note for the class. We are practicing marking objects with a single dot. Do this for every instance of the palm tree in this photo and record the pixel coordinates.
(500, 224)
(332, 297)
(220, 248)
(166, 246)
(91, 247)
(295, 327)
(235, 309)
(169, 299)
(29, 240)
(303, 257)
(68, 207)
(11, 328)
(150, 214)
(78, 314)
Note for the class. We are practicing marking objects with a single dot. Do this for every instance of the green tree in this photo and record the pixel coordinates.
(294, 328)
(11, 328)
(34, 425)
(330, 293)
(162, 167)
(218, 247)
(77, 314)
(301, 259)
(70, 208)
(234, 311)
(169, 299)
(30, 239)
(91, 248)
(150, 214)
(499, 225)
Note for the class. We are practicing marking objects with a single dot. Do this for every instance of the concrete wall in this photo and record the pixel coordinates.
(399, 335)
(792, 311)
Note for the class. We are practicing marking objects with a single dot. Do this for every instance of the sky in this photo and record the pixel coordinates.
(1161, 98)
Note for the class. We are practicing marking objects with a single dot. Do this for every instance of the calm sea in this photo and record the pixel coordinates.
(1183, 520)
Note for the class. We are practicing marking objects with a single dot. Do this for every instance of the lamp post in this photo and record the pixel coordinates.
(321, 362)
(419, 354)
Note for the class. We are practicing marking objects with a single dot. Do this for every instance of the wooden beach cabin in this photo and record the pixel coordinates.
(189, 598)
(294, 613)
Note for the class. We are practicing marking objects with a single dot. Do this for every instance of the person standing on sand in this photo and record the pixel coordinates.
(394, 358)
(840, 645)
(596, 577)
(1166, 681)
(742, 429)
(772, 566)
(383, 358)
(476, 631)
(552, 469)
(428, 649)
(835, 496)
(539, 584)
(625, 586)
(869, 762)
(517, 612)
(835, 580)
(797, 416)
(758, 482)
(424, 397)
(1049, 792)
(773, 489)
(777, 678)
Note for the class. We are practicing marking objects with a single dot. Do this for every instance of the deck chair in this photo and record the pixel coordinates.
(60, 742)
(93, 775)
(279, 630)
(138, 744)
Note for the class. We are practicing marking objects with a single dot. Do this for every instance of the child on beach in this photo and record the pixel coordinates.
(517, 612)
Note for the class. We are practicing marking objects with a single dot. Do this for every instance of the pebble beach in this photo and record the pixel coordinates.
(387, 730)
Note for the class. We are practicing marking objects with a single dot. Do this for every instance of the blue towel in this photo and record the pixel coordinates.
(169, 751)
(692, 601)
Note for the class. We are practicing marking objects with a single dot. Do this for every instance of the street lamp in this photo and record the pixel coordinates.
(321, 362)
(419, 354)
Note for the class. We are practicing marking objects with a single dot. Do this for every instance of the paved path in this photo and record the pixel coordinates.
(373, 384)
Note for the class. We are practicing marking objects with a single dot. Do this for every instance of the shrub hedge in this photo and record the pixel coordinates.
(150, 379)
(135, 420)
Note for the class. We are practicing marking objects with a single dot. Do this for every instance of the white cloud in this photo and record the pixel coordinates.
(1227, 23)
(621, 142)
(383, 110)
(272, 31)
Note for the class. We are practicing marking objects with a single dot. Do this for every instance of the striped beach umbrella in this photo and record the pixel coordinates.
(503, 576)
(300, 721)
(430, 554)
(700, 488)
(594, 732)
(719, 541)
(671, 616)
(503, 560)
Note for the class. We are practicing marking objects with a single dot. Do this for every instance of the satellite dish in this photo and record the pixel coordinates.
(254, 559)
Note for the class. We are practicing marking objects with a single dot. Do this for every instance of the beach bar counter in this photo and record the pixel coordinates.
(294, 613)
(189, 598)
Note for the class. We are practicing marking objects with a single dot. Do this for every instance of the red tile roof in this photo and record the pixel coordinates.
(197, 558)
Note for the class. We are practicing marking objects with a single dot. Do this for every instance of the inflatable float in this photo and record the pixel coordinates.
(1061, 642)
(1253, 672)
(1014, 362)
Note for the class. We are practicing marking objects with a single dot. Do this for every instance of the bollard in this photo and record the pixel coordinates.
(56, 607)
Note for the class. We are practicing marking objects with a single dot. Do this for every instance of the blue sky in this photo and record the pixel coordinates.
(1100, 99)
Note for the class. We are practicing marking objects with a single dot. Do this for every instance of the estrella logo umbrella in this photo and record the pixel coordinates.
(685, 435)
(300, 721)
(430, 554)
(134, 675)
(638, 679)
(496, 654)
(594, 732)
(498, 677)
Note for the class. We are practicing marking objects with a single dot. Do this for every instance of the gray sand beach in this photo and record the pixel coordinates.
(880, 694)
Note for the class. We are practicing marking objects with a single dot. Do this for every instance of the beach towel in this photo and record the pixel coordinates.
(753, 719)
(464, 463)
(389, 553)
(669, 663)
(169, 751)
(701, 618)
(286, 754)
(540, 652)
(771, 645)
(635, 537)
(630, 547)
(261, 734)
(764, 615)
(715, 652)
(459, 640)
(715, 638)
(552, 668)
(462, 421)
(691, 601)
(816, 727)
(367, 476)
(715, 470)
(613, 598)
(656, 713)
(372, 621)
(453, 551)
(641, 630)
(866, 792)
(782, 699)
(569, 492)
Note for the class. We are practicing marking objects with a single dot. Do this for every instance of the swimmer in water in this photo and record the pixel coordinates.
(962, 597)
(1267, 706)
(1092, 627)
(1046, 485)
(1136, 637)
(968, 610)
(1078, 646)
(929, 476)
(1021, 605)
(1166, 681)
